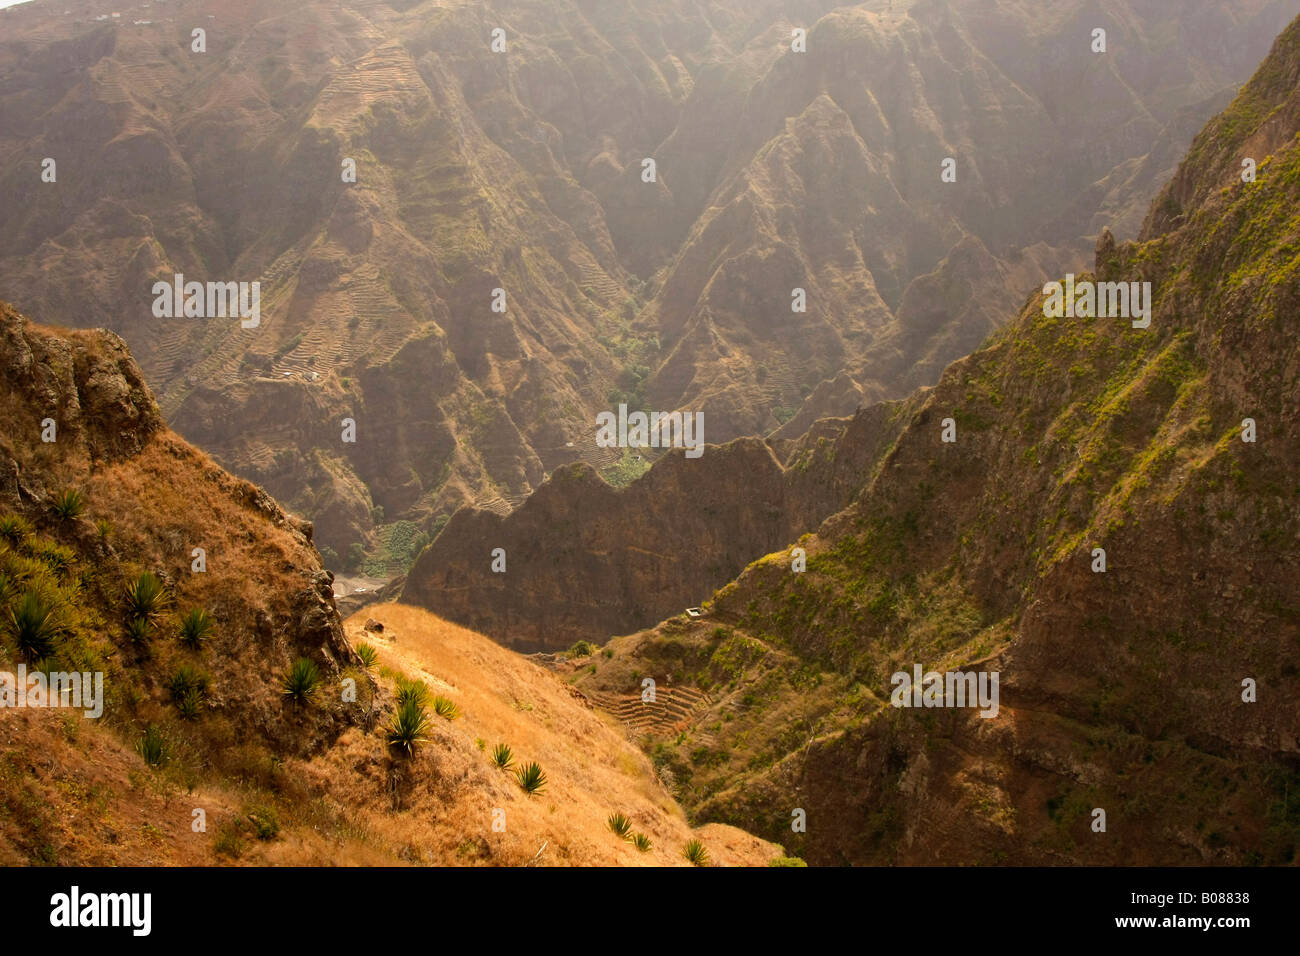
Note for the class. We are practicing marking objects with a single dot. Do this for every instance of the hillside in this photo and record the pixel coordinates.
(1122, 689)
(197, 718)
(522, 171)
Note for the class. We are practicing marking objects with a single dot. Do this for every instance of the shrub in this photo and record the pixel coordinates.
(502, 756)
(35, 626)
(104, 528)
(531, 778)
(266, 822)
(787, 861)
(641, 842)
(229, 842)
(300, 680)
(409, 727)
(145, 597)
(445, 709)
(582, 649)
(620, 824)
(68, 504)
(695, 852)
(368, 656)
(356, 554)
(196, 624)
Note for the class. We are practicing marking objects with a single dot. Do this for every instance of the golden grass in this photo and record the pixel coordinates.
(171, 499)
(448, 792)
(75, 790)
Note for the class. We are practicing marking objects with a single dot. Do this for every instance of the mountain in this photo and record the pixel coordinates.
(192, 751)
(523, 171)
(583, 560)
(1153, 683)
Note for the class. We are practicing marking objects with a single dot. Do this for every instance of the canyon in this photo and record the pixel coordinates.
(941, 465)
(381, 171)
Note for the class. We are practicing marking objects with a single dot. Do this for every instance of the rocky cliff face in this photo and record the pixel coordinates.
(80, 420)
(1158, 687)
(522, 171)
(832, 185)
(583, 560)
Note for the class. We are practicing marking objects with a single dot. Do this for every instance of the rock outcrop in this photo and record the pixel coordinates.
(79, 419)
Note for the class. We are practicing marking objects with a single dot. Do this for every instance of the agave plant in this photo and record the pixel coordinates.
(189, 706)
(503, 757)
(139, 630)
(411, 691)
(145, 597)
(409, 727)
(368, 656)
(445, 709)
(695, 852)
(68, 504)
(300, 680)
(152, 747)
(188, 680)
(35, 626)
(531, 778)
(620, 824)
(196, 624)
(641, 842)
(58, 559)
(13, 528)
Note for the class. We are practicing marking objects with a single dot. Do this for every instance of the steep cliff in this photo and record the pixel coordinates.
(583, 560)
(1155, 682)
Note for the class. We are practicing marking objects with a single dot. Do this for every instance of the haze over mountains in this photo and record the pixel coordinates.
(522, 171)
(1103, 513)
(1114, 530)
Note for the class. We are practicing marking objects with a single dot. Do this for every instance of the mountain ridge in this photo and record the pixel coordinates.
(1127, 687)
(522, 172)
